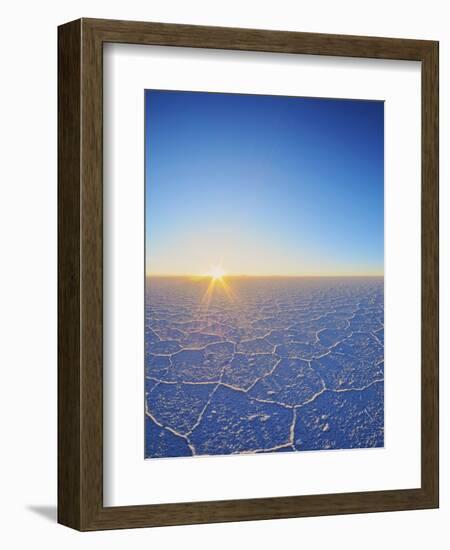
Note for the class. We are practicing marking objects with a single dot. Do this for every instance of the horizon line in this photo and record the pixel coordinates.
(271, 276)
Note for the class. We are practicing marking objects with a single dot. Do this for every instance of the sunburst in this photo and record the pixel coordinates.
(217, 275)
(216, 272)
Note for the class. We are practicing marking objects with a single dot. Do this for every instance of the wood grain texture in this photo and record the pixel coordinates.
(80, 265)
(69, 245)
(430, 273)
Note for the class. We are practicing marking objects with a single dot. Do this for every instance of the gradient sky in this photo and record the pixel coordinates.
(264, 185)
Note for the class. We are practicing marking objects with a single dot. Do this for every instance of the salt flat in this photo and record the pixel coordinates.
(270, 364)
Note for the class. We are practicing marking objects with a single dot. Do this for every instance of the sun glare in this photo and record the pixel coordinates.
(216, 272)
(217, 283)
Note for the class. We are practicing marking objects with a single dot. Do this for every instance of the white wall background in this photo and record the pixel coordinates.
(28, 271)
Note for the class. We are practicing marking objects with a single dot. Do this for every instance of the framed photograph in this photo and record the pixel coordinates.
(248, 274)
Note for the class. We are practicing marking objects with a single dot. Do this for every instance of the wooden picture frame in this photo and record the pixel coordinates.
(80, 272)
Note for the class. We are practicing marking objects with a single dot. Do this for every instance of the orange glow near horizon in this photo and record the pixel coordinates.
(266, 275)
(260, 267)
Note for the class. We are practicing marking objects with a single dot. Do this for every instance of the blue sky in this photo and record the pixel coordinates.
(263, 185)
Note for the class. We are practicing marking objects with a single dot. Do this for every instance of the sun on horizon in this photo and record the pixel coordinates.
(216, 272)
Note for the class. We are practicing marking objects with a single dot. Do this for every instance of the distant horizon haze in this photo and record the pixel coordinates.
(269, 276)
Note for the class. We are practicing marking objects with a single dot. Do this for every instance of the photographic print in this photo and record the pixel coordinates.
(264, 274)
